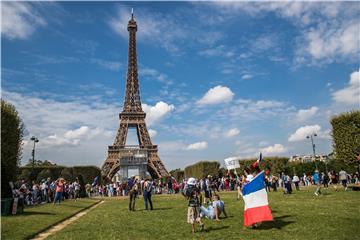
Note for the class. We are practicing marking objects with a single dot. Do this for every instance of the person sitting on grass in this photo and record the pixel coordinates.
(214, 210)
(192, 193)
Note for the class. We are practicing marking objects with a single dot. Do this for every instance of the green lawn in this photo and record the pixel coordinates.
(38, 218)
(334, 215)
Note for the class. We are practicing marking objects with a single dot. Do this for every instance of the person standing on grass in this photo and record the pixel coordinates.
(334, 180)
(147, 190)
(194, 197)
(317, 180)
(325, 180)
(296, 181)
(76, 188)
(59, 190)
(343, 178)
(133, 187)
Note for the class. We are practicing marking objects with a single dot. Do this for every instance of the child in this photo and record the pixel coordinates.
(195, 198)
(194, 210)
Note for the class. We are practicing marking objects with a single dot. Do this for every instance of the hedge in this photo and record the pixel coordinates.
(346, 137)
(88, 173)
(178, 174)
(202, 169)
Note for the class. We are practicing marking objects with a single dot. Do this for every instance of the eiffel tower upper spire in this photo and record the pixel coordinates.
(132, 96)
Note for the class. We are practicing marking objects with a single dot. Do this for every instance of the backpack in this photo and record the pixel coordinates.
(134, 188)
(188, 190)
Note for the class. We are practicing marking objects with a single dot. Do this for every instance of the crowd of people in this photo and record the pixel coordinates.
(48, 190)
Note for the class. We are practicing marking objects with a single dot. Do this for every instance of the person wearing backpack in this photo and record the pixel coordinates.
(133, 187)
(194, 197)
(148, 187)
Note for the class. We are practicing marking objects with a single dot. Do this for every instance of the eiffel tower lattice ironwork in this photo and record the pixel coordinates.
(146, 154)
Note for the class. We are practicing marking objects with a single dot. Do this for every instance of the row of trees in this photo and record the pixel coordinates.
(38, 173)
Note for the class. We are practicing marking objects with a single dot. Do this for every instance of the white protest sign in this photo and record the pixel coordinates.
(232, 163)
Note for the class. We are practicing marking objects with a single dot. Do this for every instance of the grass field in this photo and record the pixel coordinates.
(334, 215)
(38, 218)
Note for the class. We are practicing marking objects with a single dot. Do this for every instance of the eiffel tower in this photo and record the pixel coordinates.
(144, 157)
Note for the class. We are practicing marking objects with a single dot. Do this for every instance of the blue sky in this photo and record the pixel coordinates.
(218, 79)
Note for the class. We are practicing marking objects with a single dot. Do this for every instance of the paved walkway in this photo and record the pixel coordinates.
(63, 224)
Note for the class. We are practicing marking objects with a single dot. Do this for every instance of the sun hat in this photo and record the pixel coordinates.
(191, 181)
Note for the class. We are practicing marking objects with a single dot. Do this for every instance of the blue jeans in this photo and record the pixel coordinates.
(58, 197)
(207, 212)
(147, 198)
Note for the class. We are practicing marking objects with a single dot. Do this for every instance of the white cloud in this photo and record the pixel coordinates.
(275, 149)
(246, 76)
(152, 27)
(197, 146)
(351, 94)
(218, 94)
(219, 51)
(154, 74)
(61, 125)
(157, 112)
(232, 132)
(301, 133)
(152, 133)
(329, 31)
(19, 20)
(250, 110)
(111, 65)
(77, 133)
(305, 114)
(328, 42)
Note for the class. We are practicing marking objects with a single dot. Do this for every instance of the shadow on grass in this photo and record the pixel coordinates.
(278, 223)
(210, 229)
(161, 209)
(26, 213)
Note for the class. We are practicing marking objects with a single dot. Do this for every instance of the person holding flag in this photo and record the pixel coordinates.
(257, 208)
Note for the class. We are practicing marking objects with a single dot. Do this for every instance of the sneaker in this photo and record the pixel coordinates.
(316, 194)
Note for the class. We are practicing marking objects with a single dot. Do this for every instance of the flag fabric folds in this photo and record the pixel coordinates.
(256, 201)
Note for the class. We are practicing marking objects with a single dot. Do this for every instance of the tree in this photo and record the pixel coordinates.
(44, 174)
(346, 137)
(12, 129)
(202, 169)
(67, 174)
(178, 174)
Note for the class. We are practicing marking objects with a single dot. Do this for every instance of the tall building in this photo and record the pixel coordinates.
(123, 159)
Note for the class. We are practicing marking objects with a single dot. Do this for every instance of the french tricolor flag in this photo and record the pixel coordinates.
(256, 201)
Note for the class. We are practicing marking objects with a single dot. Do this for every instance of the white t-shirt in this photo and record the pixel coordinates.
(249, 177)
(342, 175)
(219, 205)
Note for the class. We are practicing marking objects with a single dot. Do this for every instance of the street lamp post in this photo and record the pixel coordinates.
(36, 140)
(313, 146)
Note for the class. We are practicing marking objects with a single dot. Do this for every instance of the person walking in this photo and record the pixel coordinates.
(317, 180)
(343, 178)
(147, 190)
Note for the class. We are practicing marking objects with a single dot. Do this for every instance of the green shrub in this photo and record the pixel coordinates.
(12, 130)
(202, 169)
(346, 137)
(178, 174)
